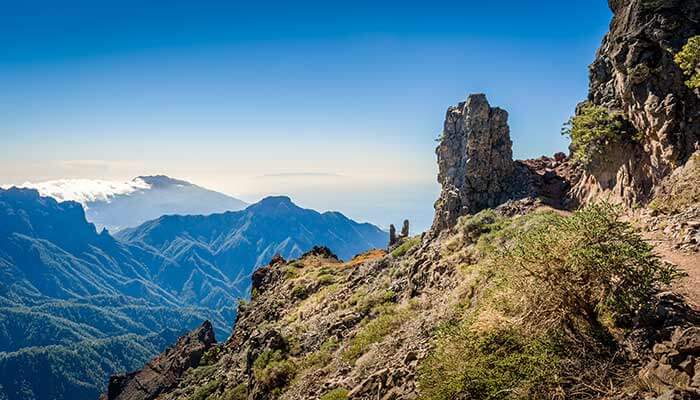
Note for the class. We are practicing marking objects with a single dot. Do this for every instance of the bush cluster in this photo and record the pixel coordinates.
(591, 131)
(688, 59)
(555, 289)
(273, 370)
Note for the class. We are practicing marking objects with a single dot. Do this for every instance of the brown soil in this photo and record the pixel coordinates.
(688, 262)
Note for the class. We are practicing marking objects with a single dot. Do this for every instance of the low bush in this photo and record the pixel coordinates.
(273, 370)
(591, 131)
(574, 269)
(203, 392)
(405, 247)
(499, 365)
(688, 59)
(322, 357)
(336, 394)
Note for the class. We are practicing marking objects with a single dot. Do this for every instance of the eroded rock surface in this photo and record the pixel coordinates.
(634, 74)
(475, 160)
(163, 372)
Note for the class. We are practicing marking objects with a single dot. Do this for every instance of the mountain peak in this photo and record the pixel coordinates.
(159, 181)
(272, 203)
(276, 200)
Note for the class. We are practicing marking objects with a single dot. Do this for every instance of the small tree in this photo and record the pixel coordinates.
(591, 131)
(688, 59)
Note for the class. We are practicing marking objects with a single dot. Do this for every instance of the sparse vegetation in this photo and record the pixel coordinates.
(591, 131)
(336, 394)
(406, 246)
(680, 190)
(390, 318)
(300, 292)
(203, 392)
(273, 370)
(688, 59)
(502, 364)
(551, 282)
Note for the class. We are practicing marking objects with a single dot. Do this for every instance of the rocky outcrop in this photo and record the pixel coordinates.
(634, 74)
(475, 160)
(163, 372)
(675, 367)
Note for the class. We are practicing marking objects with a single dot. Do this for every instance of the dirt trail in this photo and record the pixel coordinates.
(688, 262)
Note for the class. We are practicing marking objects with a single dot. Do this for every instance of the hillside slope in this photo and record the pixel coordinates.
(68, 293)
(530, 285)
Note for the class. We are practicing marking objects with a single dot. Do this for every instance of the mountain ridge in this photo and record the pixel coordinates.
(65, 287)
(117, 205)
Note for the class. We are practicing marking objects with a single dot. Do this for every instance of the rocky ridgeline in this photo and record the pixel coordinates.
(164, 371)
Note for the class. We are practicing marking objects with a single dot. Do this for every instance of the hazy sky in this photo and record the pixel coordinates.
(336, 104)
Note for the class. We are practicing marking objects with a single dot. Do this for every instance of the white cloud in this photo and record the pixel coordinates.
(85, 191)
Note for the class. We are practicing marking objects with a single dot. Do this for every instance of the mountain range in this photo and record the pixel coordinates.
(117, 205)
(567, 277)
(69, 295)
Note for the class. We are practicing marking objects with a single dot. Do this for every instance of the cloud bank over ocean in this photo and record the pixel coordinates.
(84, 191)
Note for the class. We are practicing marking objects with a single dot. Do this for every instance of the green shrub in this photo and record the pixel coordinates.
(239, 392)
(273, 370)
(326, 279)
(406, 246)
(204, 391)
(211, 356)
(575, 268)
(336, 394)
(500, 365)
(300, 292)
(591, 131)
(374, 331)
(322, 357)
(688, 59)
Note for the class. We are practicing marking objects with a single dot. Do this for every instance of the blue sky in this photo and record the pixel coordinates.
(336, 104)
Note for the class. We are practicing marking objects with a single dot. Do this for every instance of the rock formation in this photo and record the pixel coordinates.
(405, 229)
(163, 372)
(475, 160)
(392, 235)
(634, 74)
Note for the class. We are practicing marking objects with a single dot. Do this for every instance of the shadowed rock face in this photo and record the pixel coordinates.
(634, 73)
(475, 160)
(163, 372)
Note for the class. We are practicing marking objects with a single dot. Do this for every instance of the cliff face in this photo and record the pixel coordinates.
(634, 73)
(164, 371)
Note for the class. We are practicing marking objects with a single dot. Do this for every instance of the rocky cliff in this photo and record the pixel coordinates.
(634, 74)
(164, 371)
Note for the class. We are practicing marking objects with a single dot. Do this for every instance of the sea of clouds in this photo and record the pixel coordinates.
(84, 191)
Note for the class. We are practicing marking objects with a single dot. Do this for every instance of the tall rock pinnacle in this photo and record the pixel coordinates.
(475, 160)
